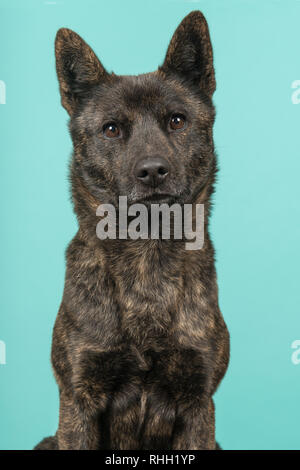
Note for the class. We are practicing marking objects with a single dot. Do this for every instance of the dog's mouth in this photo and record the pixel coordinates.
(158, 198)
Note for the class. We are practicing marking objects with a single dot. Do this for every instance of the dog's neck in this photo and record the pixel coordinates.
(86, 204)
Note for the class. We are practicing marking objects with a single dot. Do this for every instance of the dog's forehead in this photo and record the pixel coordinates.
(144, 92)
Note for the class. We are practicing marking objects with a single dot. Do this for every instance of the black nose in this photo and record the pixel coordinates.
(152, 171)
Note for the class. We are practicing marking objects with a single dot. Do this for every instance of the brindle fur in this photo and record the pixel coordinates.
(139, 344)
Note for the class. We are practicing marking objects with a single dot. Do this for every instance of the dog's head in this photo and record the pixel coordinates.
(147, 137)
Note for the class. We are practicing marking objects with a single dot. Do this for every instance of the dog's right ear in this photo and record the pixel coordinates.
(77, 66)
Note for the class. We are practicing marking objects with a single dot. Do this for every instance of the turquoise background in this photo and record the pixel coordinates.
(255, 223)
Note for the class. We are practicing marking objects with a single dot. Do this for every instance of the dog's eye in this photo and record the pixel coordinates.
(177, 122)
(111, 130)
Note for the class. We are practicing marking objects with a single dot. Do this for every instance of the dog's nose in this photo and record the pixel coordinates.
(152, 171)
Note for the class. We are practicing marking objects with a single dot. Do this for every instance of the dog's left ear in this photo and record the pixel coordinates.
(190, 54)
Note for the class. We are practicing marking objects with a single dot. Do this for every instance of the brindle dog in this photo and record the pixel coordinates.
(139, 344)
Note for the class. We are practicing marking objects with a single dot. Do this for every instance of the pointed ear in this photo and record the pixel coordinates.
(77, 66)
(190, 54)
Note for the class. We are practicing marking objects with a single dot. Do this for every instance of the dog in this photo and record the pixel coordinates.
(139, 344)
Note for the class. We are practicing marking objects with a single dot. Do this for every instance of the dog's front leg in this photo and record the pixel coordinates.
(195, 427)
(158, 421)
(82, 400)
(78, 427)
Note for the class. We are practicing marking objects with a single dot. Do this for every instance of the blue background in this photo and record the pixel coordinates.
(255, 223)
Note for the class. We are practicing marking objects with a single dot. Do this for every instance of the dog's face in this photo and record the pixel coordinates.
(147, 137)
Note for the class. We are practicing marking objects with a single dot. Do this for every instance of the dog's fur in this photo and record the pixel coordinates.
(139, 343)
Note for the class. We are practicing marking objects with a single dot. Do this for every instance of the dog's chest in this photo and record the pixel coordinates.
(149, 294)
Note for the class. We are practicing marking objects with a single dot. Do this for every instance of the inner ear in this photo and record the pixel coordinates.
(78, 68)
(190, 54)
